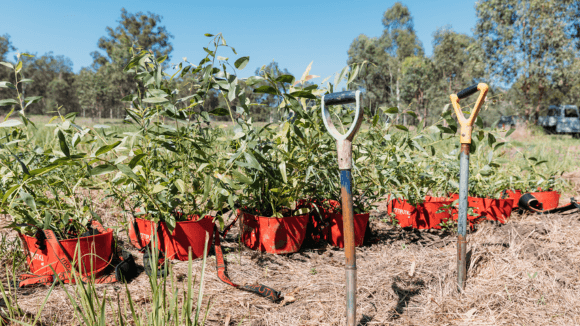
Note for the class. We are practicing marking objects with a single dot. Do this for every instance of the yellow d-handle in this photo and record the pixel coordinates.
(467, 124)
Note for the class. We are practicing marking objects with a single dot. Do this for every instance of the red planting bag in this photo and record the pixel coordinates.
(498, 210)
(332, 224)
(334, 233)
(96, 253)
(274, 235)
(175, 245)
(427, 215)
(492, 209)
(515, 196)
(548, 199)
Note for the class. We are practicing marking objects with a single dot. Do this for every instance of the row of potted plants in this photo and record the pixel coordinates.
(175, 174)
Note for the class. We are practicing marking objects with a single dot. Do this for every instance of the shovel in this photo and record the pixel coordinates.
(465, 139)
(344, 150)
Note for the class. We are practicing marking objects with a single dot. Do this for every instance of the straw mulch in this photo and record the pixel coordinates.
(526, 272)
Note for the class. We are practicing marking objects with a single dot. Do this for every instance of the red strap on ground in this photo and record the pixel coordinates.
(260, 289)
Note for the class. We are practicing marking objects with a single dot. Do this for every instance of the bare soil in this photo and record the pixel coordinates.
(526, 272)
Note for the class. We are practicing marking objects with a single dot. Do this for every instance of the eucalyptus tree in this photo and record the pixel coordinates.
(417, 80)
(457, 61)
(134, 32)
(5, 48)
(386, 55)
(528, 44)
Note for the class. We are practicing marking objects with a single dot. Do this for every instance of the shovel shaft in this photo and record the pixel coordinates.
(462, 218)
(349, 247)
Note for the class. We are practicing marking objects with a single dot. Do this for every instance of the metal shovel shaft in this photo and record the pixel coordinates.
(349, 245)
(465, 140)
(462, 218)
(344, 156)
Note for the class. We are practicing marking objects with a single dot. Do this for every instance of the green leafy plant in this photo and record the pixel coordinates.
(42, 187)
(175, 166)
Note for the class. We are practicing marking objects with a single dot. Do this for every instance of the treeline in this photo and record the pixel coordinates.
(528, 51)
(97, 91)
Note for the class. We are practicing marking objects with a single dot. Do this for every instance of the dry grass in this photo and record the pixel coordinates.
(524, 273)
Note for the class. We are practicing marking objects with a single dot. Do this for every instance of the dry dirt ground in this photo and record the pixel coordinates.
(526, 272)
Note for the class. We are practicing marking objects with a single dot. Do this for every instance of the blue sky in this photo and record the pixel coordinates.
(293, 33)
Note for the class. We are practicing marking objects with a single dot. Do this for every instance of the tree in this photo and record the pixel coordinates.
(386, 55)
(134, 32)
(457, 58)
(528, 44)
(417, 76)
(5, 48)
(53, 80)
(377, 76)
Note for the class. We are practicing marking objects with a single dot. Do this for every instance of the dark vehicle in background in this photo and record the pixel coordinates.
(562, 119)
(510, 121)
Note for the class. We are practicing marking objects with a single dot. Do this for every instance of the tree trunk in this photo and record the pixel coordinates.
(399, 97)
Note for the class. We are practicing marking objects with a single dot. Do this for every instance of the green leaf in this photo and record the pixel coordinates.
(282, 167)
(63, 145)
(304, 94)
(47, 220)
(156, 100)
(401, 127)
(44, 169)
(103, 169)
(129, 98)
(393, 110)
(10, 123)
(128, 172)
(241, 62)
(242, 178)
(161, 59)
(7, 85)
(220, 112)
(285, 79)
(252, 162)
(9, 192)
(7, 64)
(207, 187)
(411, 113)
(135, 160)
(106, 148)
(158, 188)
(511, 131)
(180, 185)
(266, 90)
(490, 139)
(208, 34)
(28, 199)
(18, 67)
(8, 101)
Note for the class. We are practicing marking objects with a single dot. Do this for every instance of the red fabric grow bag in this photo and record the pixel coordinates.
(422, 216)
(274, 235)
(548, 199)
(492, 209)
(331, 225)
(186, 234)
(515, 196)
(96, 253)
